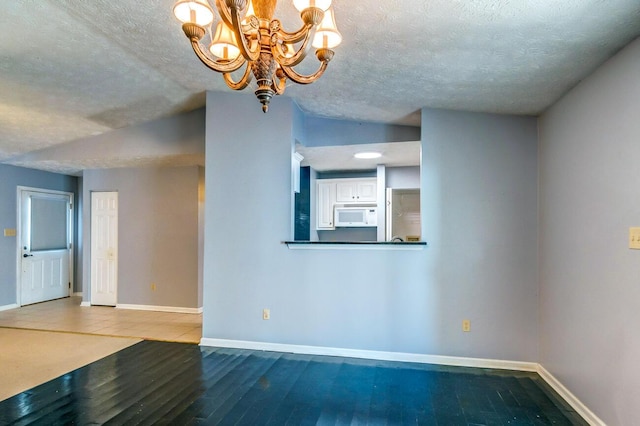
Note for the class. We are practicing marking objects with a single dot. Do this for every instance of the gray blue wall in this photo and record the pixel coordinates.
(589, 278)
(479, 184)
(158, 233)
(10, 178)
(479, 203)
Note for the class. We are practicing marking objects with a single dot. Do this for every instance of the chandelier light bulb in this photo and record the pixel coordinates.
(249, 13)
(305, 4)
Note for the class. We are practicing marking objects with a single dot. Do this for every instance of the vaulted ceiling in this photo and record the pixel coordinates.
(71, 69)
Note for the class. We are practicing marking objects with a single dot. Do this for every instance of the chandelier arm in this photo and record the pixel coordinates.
(231, 18)
(242, 83)
(301, 53)
(224, 67)
(304, 79)
(243, 45)
(279, 83)
(295, 37)
(224, 12)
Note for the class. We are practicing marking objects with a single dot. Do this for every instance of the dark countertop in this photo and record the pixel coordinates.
(399, 244)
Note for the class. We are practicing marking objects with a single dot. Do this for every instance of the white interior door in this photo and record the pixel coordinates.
(104, 248)
(46, 233)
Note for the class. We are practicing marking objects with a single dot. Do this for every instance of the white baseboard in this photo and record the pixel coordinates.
(160, 308)
(377, 355)
(571, 399)
(7, 307)
(77, 293)
(85, 304)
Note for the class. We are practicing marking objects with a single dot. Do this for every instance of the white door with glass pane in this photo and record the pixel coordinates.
(104, 248)
(46, 232)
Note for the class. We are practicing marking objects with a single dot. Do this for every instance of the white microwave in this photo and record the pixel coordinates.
(355, 216)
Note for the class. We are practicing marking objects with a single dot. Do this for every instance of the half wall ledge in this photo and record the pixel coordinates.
(355, 245)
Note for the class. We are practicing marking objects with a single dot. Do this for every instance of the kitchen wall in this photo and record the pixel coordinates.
(403, 177)
(349, 234)
(10, 178)
(589, 197)
(158, 231)
(480, 224)
(318, 131)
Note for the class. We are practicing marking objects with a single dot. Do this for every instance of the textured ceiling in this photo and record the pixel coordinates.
(70, 69)
(332, 158)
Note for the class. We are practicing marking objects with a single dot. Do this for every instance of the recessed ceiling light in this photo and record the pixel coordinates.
(367, 155)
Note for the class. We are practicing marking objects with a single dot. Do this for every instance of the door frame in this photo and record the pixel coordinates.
(72, 221)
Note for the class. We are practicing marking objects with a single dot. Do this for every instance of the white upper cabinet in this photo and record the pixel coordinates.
(356, 190)
(345, 192)
(367, 190)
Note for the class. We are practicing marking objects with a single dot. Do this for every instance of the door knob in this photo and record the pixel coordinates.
(27, 255)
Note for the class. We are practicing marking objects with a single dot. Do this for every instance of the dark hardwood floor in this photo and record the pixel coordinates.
(181, 384)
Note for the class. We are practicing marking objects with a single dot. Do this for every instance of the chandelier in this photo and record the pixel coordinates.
(247, 35)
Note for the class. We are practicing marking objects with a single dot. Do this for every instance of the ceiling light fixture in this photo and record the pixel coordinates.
(367, 155)
(247, 35)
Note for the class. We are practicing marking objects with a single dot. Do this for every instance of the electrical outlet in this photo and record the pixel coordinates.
(634, 238)
(466, 325)
(266, 314)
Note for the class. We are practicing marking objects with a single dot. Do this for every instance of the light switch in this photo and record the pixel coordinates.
(9, 232)
(634, 238)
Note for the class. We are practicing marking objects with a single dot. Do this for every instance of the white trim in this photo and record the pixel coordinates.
(19, 245)
(77, 293)
(377, 355)
(7, 307)
(175, 309)
(571, 399)
(85, 304)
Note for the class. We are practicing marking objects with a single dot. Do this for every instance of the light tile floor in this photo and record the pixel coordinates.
(67, 315)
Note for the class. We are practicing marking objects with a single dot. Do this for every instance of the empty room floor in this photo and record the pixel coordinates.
(184, 384)
(176, 383)
(67, 315)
